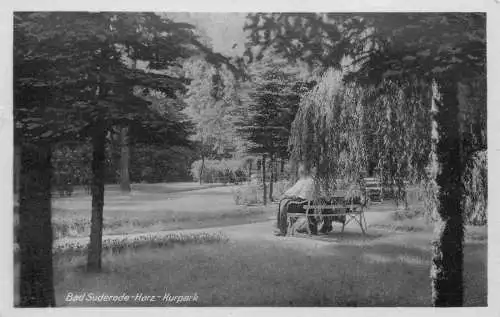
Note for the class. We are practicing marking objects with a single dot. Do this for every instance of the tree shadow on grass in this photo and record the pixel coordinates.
(348, 236)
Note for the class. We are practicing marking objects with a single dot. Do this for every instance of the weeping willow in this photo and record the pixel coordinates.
(327, 132)
(401, 118)
(340, 126)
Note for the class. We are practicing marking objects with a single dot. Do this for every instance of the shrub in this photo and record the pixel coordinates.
(219, 171)
(248, 194)
(252, 193)
(71, 164)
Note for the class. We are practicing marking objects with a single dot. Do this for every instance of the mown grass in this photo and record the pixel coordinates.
(70, 255)
(381, 273)
(157, 211)
(251, 267)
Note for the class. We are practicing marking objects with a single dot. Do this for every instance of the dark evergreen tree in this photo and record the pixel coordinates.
(73, 80)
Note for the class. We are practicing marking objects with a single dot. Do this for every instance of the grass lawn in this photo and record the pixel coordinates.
(255, 268)
(390, 266)
(280, 273)
(155, 207)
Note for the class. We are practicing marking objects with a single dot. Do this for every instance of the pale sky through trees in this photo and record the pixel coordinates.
(225, 29)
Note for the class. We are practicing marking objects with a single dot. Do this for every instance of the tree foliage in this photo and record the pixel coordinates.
(445, 49)
(476, 189)
(401, 132)
(274, 101)
(220, 171)
(73, 79)
(327, 132)
(209, 106)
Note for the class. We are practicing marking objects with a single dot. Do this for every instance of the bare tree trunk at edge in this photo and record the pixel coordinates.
(35, 227)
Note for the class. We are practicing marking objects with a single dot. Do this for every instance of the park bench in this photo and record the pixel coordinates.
(339, 209)
(374, 189)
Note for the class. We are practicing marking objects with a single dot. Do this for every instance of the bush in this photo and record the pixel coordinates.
(248, 194)
(219, 171)
(71, 167)
(253, 192)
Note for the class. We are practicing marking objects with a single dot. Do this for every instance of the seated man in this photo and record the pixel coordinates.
(294, 200)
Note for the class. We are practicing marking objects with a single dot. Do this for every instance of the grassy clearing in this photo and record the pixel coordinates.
(391, 271)
(415, 220)
(248, 266)
(155, 211)
(163, 188)
(70, 256)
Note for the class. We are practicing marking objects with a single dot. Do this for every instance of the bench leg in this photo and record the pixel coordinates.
(361, 225)
(307, 223)
(364, 221)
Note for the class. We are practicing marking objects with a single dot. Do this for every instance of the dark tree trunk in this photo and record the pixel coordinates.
(405, 196)
(282, 166)
(447, 261)
(263, 165)
(276, 171)
(250, 171)
(271, 179)
(202, 168)
(35, 227)
(125, 154)
(17, 168)
(98, 173)
(124, 161)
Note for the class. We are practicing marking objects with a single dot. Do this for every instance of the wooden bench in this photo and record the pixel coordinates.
(374, 189)
(350, 211)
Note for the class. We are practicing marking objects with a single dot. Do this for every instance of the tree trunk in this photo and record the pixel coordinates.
(276, 171)
(250, 171)
(35, 227)
(124, 161)
(271, 179)
(263, 165)
(17, 168)
(447, 261)
(405, 196)
(282, 166)
(98, 172)
(202, 168)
